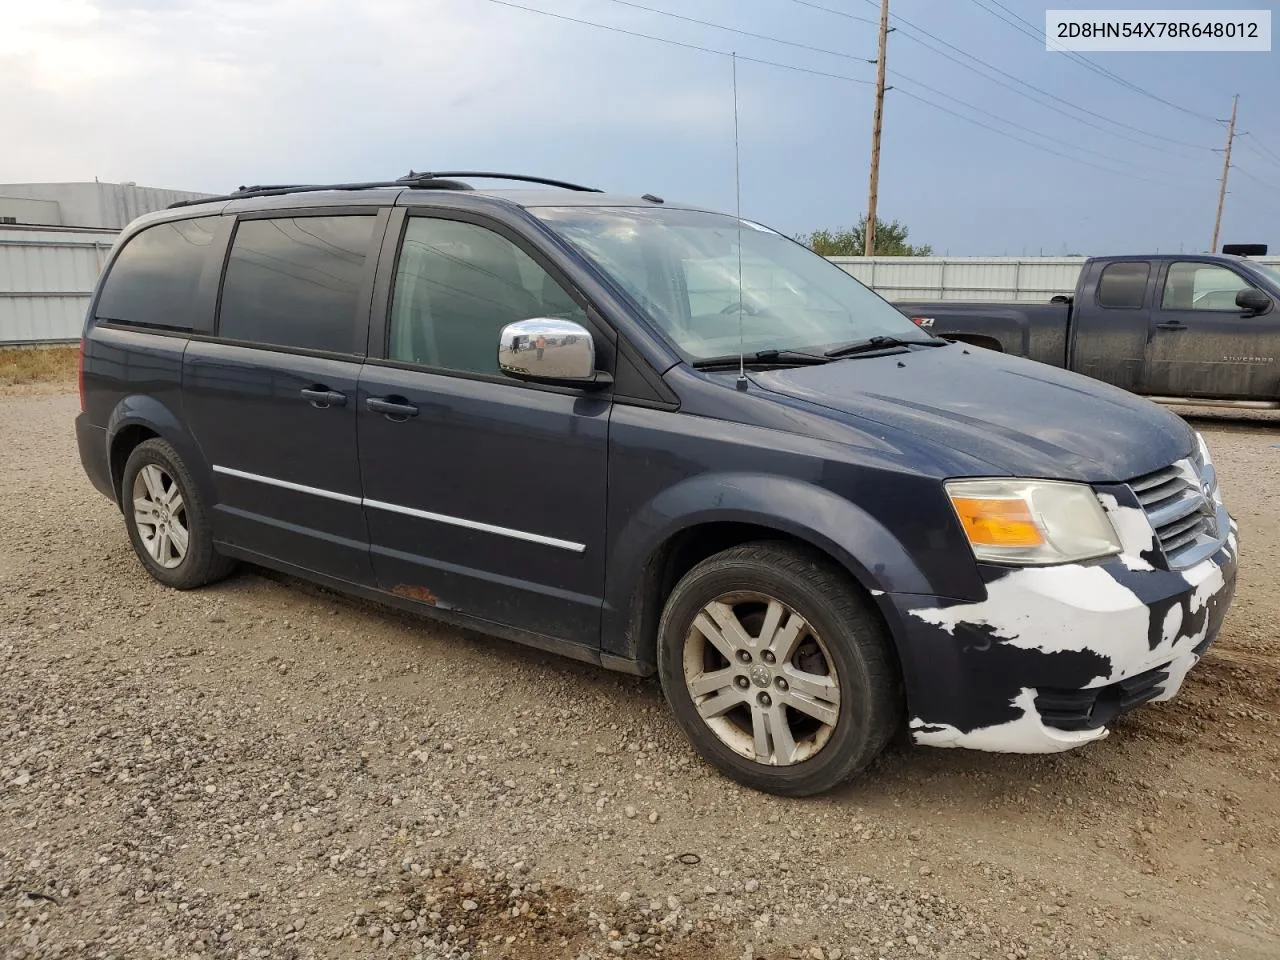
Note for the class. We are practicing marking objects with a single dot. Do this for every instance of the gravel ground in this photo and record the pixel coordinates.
(264, 769)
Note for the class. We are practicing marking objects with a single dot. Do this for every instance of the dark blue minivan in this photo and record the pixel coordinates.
(660, 439)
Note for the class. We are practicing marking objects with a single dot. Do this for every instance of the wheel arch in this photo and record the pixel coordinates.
(642, 574)
(137, 419)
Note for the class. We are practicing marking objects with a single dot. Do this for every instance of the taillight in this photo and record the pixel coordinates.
(80, 374)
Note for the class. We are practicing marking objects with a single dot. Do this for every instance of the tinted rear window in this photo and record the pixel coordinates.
(1123, 285)
(155, 280)
(295, 282)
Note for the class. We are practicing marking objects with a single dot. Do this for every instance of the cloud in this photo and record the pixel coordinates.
(202, 93)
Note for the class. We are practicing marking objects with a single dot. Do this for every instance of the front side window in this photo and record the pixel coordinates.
(295, 282)
(1202, 286)
(457, 285)
(1123, 286)
(155, 279)
(704, 278)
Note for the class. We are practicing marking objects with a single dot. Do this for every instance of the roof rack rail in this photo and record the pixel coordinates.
(413, 181)
(413, 178)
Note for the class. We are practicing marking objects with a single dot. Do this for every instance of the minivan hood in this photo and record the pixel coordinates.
(1024, 418)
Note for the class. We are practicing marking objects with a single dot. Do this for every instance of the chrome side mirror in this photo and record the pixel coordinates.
(548, 350)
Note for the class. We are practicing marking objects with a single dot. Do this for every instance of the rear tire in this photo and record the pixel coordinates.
(778, 670)
(166, 518)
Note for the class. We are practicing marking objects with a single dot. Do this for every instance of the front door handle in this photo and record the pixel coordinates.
(322, 397)
(1171, 325)
(393, 408)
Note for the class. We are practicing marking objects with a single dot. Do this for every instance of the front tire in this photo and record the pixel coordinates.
(166, 518)
(777, 669)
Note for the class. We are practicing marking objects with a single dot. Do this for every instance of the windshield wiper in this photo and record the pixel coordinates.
(781, 358)
(877, 343)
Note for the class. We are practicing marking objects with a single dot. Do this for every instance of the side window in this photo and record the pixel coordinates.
(1123, 285)
(155, 280)
(457, 285)
(294, 282)
(1201, 286)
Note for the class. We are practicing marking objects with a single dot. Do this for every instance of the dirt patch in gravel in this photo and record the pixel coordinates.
(265, 769)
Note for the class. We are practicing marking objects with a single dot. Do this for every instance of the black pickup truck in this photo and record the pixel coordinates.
(1175, 328)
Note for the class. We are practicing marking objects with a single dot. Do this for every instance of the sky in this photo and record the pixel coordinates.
(210, 94)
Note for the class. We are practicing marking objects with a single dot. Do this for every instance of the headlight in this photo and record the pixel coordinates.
(1032, 521)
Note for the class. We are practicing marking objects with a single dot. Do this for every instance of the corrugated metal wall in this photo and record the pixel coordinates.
(970, 278)
(46, 278)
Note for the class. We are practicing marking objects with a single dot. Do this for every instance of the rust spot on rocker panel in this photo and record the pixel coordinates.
(411, 592)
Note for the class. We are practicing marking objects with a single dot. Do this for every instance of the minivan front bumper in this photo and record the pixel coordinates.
(1054, 654)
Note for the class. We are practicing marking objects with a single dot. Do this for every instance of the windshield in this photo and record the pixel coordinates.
(682, 267)
(1269, 270)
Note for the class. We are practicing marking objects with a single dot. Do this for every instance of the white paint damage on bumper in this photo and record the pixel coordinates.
(1096, 611)
(1027, 734)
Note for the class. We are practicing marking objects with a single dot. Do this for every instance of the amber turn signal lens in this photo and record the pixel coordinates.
(998, 523)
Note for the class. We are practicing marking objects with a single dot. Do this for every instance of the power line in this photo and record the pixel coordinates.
(1241, 170)
(901, 78)
(849, 16)
(741, 33)
(1264, 201)
(1029, 29)
(678, 43)
(1030, 143)
(908, 27)
(1261, 148)
(1044, 93)
(921, 85)
(834, 76)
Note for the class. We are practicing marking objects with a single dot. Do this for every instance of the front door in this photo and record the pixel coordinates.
(1203, 345)
(483, 495)
(272, 401)
(1109, 335)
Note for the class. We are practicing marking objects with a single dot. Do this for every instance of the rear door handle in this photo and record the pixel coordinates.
(1171, 325)
(392, 408)
(322, 397)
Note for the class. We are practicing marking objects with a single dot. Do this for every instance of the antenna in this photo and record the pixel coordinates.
(737, 195)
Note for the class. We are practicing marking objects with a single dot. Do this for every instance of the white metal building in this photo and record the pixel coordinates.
(92, 204)
(54, 241)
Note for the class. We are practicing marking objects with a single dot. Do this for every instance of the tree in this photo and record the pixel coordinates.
(891, 241)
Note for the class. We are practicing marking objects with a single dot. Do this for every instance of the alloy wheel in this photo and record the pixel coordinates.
(761, 678)
(160, 515)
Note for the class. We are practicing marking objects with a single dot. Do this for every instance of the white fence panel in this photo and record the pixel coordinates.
(47, 276)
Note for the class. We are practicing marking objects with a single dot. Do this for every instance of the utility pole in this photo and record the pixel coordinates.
(1226, 167)
(869, 247)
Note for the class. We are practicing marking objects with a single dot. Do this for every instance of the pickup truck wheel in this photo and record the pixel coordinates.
(167, 521)
(777, 670)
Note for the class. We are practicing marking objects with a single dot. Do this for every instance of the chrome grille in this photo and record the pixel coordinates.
(1179, 502)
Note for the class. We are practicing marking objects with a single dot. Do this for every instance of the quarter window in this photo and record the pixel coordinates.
(155, 279)
(1124, 285)
(457, 285)
(1201, 286)
(295, 282)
